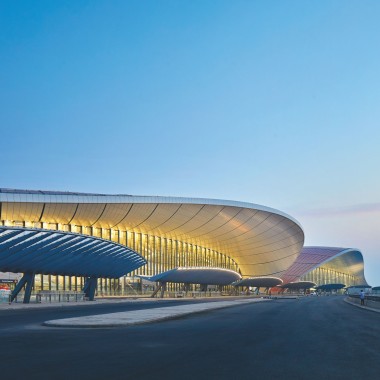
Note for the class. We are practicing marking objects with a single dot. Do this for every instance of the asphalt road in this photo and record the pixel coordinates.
(310, 338)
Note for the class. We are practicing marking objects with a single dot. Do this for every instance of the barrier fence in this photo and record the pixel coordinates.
(370, 300)
(51, 297)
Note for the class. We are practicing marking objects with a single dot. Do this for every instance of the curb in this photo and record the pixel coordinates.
(362, 307)
(109, 301)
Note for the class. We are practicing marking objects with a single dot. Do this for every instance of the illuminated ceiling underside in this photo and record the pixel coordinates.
(263, 241)
(28, 250)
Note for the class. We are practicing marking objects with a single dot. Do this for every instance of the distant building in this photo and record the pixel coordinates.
(328, 265)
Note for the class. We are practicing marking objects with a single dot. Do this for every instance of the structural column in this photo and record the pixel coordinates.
(26, 280)
(90, 287)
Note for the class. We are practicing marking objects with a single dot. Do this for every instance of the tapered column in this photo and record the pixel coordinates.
(163, 288)
(158, 287)
(26, 280)
(90, 287)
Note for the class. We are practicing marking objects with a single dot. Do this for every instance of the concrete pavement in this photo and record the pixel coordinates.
(309, 338)
(135, 317)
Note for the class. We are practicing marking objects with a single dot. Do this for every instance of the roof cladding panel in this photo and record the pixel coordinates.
(58, 213)
(42, 251)
(261, 240)
(278, 233)
(137, 216)
(176, 220)
(87, 214)
(264, 245)
(259, 228)
(204, 220)
(113, 215)
(166, 218)
(21, 211)
(217, 224)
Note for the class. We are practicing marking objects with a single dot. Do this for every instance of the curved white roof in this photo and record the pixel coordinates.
(262, 240)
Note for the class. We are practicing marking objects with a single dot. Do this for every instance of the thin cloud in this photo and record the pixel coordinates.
(364, 208)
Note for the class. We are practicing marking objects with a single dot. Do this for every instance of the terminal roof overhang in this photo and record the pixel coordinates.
(347, 260)
(263, 241)
(26, 250)
(204, 276)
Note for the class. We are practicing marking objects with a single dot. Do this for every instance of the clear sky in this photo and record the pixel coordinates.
(270, 102)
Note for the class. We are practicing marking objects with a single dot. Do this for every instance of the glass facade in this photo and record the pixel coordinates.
(327, 265)
(324, 276)
(162, 254)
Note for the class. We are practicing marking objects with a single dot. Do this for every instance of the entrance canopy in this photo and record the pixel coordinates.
(330, 287)
(299, 285)
(258, 282)
(197, 275)
(28, 250)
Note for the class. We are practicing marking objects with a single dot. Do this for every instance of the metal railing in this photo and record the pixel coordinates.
(370, 300)
(371, 297)
(52, 297)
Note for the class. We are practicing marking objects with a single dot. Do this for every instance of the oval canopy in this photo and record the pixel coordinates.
(258, 282)
(299, 285)
(193, 275)
(27, 250)
(330, 287)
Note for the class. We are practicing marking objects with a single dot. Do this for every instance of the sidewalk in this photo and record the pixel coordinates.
(128, 318)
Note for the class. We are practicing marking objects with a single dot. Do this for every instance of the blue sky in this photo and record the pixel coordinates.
(270, 102)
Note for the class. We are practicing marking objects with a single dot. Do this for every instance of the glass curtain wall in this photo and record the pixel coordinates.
(323, 276)
(162, 254)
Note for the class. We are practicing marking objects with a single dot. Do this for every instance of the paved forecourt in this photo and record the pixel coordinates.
(136, 317)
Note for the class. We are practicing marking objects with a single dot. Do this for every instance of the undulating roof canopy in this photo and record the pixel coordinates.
(26, 250)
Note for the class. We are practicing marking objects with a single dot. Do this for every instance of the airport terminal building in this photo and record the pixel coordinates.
(66, 241)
